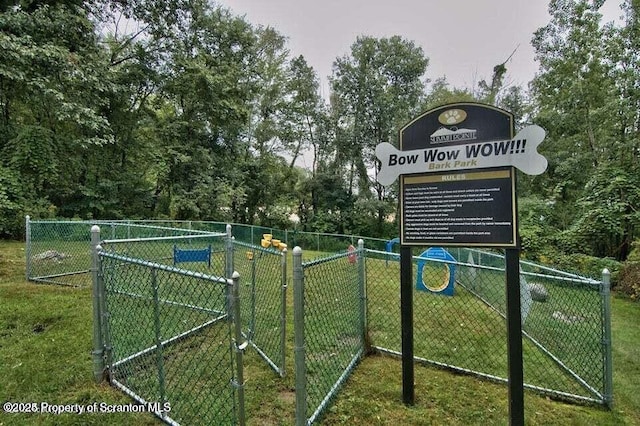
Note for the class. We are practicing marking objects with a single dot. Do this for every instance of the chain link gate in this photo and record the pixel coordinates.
(171, 337)
(264, 307)
(330, 324)
(164, 312)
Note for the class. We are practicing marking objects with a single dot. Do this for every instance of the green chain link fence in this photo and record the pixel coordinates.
(264, 292)
(344, 305)
(58, 251)
(169, 328)
(566, 346)
(329, 324)
(167, 332)
(566, 329)
(564, 323)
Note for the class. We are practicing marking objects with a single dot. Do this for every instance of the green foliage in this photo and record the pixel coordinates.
(535, 232)
(190, 112)
(609, 217)
(584, 99)
(11, 203)
(440, 94)
(375, 90)
(31, 154)
(579, 263)
(328, 208)
(628, 279)
(304, 113)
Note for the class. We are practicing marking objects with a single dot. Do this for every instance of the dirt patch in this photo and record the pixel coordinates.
(287, 396)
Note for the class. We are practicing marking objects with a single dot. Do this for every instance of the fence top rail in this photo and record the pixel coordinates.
(576, 279)
(258, 248)
(430, 259)
(561, 275)
(331, 257)
(537, 265)
(170, 238)
(164, 228)
(328, 234)
(119, 223)
(167, 268)
(88, 222)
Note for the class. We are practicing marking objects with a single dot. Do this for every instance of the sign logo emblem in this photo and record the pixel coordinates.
(443, 135)
(451, 133)
(452, 116)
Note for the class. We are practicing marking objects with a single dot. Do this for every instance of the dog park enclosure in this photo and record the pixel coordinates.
(168, 329)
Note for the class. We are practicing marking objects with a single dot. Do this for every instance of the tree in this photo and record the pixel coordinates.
(202, 107)
(375, 90)
(52, 90)
(305, 112)
(439, 93)
(583, 98)
(573, 93)
(624, 54)
(609, 219)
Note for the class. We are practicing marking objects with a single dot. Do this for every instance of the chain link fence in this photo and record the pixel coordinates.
(264, 293)
(58, 251)
(329, 322)
(179, 358)
(167, 333)
(162, 311)
(565, 338)
(170, 329)
(345, 306)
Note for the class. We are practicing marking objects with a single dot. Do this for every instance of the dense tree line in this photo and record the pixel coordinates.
(179, 109)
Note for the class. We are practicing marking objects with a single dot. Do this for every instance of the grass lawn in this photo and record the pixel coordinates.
(45, 356)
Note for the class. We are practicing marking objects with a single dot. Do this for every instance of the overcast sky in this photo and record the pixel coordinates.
(463, 39)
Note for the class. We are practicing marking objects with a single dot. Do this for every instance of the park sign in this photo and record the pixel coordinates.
(457, 177)
(519, 152)
(457, 166)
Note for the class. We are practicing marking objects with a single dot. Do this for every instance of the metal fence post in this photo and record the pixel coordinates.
(228, 253)
(362, 289)
(298, 329)
(606, 338)
(238, 346)
(104, 319)
(158, 335)
(252, 302)
(283, 313)
(98, 348)
(27, 249)
(228, 267)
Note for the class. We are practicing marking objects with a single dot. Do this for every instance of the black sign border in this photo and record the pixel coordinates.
(515, 243)
(449, 243)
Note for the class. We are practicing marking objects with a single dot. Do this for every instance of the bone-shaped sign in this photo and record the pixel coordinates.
(520, 152)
